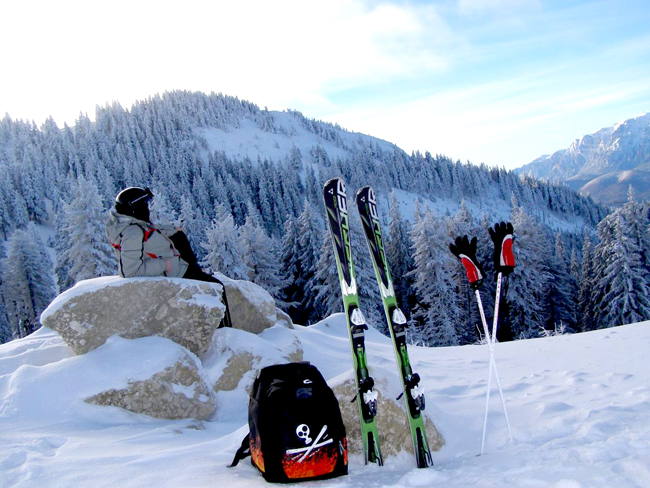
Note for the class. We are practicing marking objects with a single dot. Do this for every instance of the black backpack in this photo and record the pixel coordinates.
(296, 428)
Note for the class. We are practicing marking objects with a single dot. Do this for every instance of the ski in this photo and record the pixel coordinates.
(411, 391)
(337, 219)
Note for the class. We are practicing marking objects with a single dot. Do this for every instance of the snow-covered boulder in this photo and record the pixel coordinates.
(236, 355)
(394, 431)
(176, 392)
(252, 308)
(149, 375)
(185, 311)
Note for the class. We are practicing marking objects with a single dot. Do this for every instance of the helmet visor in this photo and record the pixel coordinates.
(146, 197)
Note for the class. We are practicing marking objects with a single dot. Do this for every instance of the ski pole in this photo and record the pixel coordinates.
(492, 344)
(502, 236)
(487, 335)
(465, 250)
(491, 367)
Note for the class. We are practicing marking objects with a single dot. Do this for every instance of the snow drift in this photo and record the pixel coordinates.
(578, 406)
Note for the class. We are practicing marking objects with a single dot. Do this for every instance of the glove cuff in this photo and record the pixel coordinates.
(472, 270)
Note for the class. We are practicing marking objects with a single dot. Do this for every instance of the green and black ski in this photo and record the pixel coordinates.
(337, 218)
(413, 394)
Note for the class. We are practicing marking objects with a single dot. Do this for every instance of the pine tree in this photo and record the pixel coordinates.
(398, 253)
(527, 286)
(261, 257)
(291, 269)
(437, 310)
(324, 285)
(193, 223)
(574, 277)
(586, 312)
(161, 209)
(460, 225)
(562, 291)
(5, 328)
(223, 249)
(622, 281)
(82, 249)
(300, 254)
(28, 283)
(636, 227)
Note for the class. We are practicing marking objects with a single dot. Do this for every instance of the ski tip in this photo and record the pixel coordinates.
(334, 185)
(365, 189)
(365, 194)
(332, 182)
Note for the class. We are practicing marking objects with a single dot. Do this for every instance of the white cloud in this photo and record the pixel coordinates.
(472, 79)
(509, 121)
(68, 56)
(474, 7)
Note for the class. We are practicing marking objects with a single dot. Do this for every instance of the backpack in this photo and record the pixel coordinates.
(296, 431)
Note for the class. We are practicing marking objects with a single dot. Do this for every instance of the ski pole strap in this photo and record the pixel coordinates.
(243, 452)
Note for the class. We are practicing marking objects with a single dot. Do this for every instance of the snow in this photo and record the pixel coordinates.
(493, 206)
(92, 285)
(578, 406)
(248, 140)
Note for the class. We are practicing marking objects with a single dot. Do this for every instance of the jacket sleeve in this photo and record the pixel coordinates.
(135, 262)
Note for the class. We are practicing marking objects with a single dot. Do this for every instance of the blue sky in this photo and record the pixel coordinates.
(494, 81)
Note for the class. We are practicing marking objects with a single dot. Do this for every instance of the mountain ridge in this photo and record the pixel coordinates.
(604, 164)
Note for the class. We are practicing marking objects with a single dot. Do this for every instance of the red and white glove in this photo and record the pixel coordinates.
(503, 237)
(465, 250)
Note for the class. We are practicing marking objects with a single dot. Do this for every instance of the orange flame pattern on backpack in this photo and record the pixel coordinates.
(320, 462)
(256, 452)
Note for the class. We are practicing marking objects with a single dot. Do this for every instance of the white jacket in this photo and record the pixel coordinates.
(142, 248)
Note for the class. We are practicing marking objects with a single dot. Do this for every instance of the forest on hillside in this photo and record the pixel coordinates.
(262, 220)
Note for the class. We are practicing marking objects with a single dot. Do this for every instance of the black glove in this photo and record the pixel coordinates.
(465, 250)
(503, 237)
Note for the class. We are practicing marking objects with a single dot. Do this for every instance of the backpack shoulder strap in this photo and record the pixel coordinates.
(243, 452)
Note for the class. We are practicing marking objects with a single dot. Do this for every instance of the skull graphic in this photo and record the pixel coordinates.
(302, 431)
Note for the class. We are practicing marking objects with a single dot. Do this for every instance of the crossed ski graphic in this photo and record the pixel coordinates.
(315, 445)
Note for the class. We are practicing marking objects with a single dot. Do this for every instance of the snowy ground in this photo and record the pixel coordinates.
(579, 407)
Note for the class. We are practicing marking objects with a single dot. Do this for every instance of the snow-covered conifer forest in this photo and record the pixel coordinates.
(245, 184)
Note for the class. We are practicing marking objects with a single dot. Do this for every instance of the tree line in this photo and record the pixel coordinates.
(262, 220)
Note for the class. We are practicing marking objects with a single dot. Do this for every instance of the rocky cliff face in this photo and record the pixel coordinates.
(603, 164)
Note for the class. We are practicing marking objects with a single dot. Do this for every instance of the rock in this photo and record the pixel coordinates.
(394, 431)
(177, 392)
(236, 355)
(252, 308)
(114, 310)
(237, 365)
(185, 311)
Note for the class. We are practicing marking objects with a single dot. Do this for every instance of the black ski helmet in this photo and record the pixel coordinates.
(134, 201)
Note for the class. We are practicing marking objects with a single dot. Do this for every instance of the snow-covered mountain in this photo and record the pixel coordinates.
(221, 167)
(603, 164)
(578, 406)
